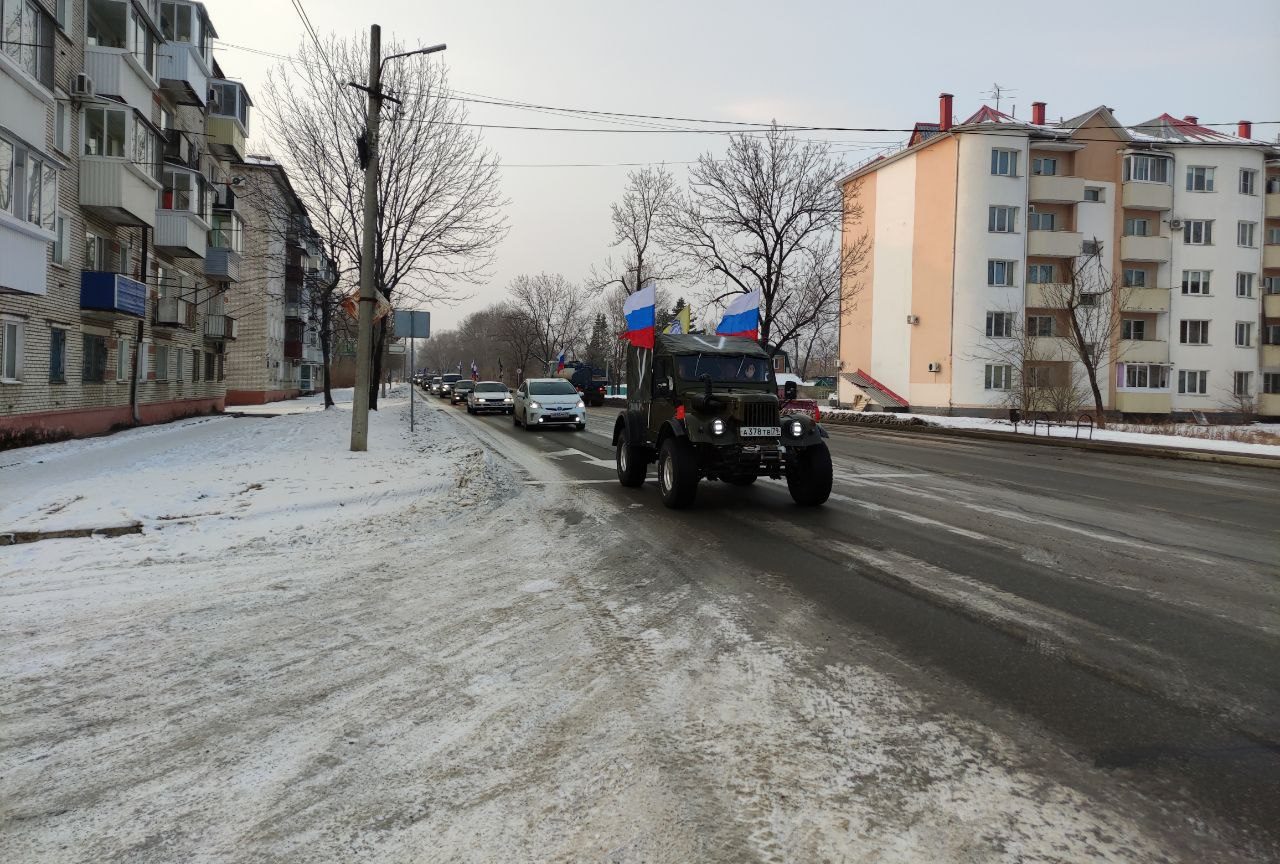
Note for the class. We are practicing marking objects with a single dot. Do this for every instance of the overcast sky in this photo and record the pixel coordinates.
(801, 62)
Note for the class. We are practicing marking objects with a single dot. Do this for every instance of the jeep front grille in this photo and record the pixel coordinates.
(760, 414)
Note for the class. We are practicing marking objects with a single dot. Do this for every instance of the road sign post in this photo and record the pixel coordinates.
(412, 325)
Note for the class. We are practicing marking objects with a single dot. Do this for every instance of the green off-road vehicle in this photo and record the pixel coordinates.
(707, 406)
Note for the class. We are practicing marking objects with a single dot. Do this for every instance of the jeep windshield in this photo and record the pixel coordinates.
(723, 368)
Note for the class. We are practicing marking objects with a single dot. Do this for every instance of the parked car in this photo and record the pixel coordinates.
(446, 385)
(460, 391)
(549, 402)
(490, 396)
(434, 387)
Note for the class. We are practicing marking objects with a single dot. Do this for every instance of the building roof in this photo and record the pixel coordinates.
(1170, 129)
(923, 132)
(987, 114)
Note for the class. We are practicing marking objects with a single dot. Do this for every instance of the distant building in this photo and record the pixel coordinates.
(971, 222)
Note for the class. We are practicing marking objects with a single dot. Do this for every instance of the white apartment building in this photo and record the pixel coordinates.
(972, 226)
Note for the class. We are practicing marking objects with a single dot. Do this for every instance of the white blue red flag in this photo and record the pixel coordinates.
(742, 316)
(560, 361)
(475, 371)
(639, 309)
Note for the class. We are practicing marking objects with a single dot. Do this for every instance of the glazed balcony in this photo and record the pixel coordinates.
(1056, 188)
(1271, 256)
(1271, 305)
(1273, 205)
(220, 262)
(115, 293)
(117, 72)
(1147, 196)
(1054, 244)
(293, 349)
(118, 191)
(227, 125)
(183, 73)
(181, 234)
(1271, 356)
(1135, 248)
(173, 312)
(220, 327)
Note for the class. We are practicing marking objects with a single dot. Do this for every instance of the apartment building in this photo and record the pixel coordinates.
(975, 225)
(117, 136)
(277, 353)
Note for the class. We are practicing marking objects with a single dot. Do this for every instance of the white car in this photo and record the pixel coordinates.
(549, 402)
(489, 396)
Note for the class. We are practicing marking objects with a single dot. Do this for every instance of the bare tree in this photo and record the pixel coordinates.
(1092, 300)
(439, 205)
(766, 216)
(646, 204)
(555, 312)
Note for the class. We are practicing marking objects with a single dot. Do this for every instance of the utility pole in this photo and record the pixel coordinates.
(368, 269)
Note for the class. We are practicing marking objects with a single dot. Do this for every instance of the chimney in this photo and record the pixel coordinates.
(1037, 113)
(944, 111)
(1192, 119)
(1245, 130)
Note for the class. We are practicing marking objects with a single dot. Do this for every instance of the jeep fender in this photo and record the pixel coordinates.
(672, 428)
(629, 426)
(813, 432)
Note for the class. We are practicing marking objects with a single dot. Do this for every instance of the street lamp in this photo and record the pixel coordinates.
(364, 331)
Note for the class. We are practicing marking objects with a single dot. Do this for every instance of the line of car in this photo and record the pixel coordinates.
(536, 403)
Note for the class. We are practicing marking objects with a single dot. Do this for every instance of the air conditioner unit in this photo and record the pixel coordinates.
(935, 367)
(1175, 224)
(82, 86)
(913, 319)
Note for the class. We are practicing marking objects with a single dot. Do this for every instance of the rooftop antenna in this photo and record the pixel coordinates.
(997, 92)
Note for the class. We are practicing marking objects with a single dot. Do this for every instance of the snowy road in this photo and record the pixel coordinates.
(469, 646)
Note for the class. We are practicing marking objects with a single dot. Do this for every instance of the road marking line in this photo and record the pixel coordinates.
(586, 458)
(566, 482)
(923, 520)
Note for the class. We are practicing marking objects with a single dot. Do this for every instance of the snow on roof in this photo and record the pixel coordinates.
(987, 114)
(1168, 128)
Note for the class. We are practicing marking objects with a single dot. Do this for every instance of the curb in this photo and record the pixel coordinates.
(1152, 451)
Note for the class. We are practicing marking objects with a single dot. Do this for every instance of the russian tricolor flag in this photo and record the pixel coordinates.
(641, 317)
(560, 361)
(742, 317)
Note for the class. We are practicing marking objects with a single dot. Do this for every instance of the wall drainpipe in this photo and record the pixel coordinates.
(137, 345)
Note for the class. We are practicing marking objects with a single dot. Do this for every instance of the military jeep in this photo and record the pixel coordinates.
(707, 406)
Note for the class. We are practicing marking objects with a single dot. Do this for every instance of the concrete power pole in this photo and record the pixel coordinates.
(368, 298)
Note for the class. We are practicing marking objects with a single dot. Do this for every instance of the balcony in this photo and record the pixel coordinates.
(117, 72)
(1269, 404)
(1144, 299)
(1046, 296)
(1271, 356)
(183, 73)
(1143, 351)
(1054, 244)
(221, 262)
(173, 312)
(1271, 256)
(1134, 402)
(293, 349)
(181, 234)
(1056, 188)
(1273, 205)
(116, 293)
(1271, 305)
(220, 327)
(118, 191)
(1134, 248)
(292, 303)
(293, 274)
(1051, 349)
(1147, 196)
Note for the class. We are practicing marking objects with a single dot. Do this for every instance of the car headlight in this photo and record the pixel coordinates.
(534, 405)
(797, 428)
(717, 426)
(508, 399)
(582, 404)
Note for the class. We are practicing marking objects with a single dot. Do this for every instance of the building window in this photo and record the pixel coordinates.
(28, 39)
(57, 355)
(162, 363)
(1004, 163)
(208, 366)
(1244, 284)
(1248, 181)
(61, 254)
(1271, 334)
(999, 325)
(1040, 325)
(1245, 233)
(1199, 178)
(1198, 232)
(1146, 376)
(1137, 227)
(62, 13)
(1192, 332)
(1091, 247)
(1273, 236)
(1146, 169)
(177, 365)
(997, 377)
(1041, 221)
(1271, 383)
(195, 364)
(93, 366)
(1093, 193)
(10, 350)
(1134, 329)
(1244, 334)
(999, 272)
(104, 133)
(221, 369)
(1271, 284)
(28, 184)
(1088, 299)
(1195, 281)
(1241, 383)
(123, 350)
(1001, 219)
(1040, 274)
(1135, 277)
(1193, 382)
(1044, 166)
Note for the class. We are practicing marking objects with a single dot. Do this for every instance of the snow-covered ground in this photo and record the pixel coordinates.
(429, 653)
(1068, 430)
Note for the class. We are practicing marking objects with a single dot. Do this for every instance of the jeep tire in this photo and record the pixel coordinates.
(677, 473)
(809, 474)
(632, 465)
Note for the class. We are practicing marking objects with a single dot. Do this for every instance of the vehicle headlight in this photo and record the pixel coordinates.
(582, 404)
(797, 429)
(717, 426)
(534, 405)
(508, 399)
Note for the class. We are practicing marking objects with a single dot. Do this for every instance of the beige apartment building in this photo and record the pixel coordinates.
(973, 224)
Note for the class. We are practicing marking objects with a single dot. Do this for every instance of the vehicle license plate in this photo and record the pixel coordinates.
(762, 431)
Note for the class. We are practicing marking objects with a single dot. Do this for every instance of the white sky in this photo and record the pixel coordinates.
(801, 62)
